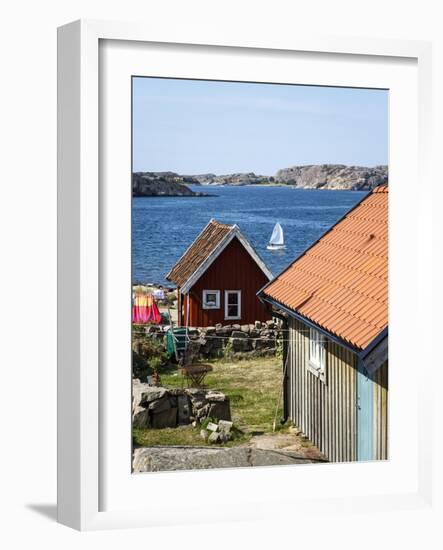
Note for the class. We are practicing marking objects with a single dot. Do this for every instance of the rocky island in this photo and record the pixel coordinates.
(163, 184)
(314, 176)
(333, 176)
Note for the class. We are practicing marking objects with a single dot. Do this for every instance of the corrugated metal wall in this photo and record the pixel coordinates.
(381, 412)
(326, 412)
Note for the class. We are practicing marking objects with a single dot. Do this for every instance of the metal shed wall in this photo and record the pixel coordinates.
(381, 412)
(326, 412)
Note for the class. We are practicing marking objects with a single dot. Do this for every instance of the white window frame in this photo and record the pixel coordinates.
(217, 300)
(317, 353)
(236, 317)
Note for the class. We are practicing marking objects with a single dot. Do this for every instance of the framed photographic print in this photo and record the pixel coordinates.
(238, 235)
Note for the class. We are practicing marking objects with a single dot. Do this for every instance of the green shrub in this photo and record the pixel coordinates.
(172, 298)
(149, 354)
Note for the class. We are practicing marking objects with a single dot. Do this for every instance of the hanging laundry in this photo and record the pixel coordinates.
(145, 310)
(159, 294)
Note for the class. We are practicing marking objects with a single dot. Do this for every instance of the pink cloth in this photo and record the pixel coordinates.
(145, 310)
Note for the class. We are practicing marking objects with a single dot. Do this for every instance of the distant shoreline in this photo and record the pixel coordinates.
(316, 176)
(285, 185)
(173, 196)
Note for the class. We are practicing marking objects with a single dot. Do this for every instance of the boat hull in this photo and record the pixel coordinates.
(276, 246)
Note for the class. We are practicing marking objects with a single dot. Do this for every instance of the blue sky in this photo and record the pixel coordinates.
(194, 127)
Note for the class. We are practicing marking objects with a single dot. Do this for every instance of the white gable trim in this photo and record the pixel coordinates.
(235, 232)
(261, 264)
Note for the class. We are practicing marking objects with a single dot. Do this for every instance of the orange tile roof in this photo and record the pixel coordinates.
(197, 253)
(340, 283)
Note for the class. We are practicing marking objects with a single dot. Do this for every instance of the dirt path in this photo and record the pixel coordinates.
(288, 443)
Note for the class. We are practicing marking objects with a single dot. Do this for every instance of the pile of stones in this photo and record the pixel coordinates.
(217, 432)
(157, 407)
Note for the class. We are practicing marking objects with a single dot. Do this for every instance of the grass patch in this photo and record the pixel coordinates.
(182, 435)
(253, 386)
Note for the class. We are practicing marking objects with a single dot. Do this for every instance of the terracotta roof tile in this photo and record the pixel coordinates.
(341, 282)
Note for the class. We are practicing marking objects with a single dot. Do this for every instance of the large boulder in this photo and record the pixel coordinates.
(156, 459)
(143, 394)
(164, 419)
(160, 405)
(141, 418)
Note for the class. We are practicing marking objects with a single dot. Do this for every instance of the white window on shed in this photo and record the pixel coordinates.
(317, 353)
(211, 299)
(232, 304)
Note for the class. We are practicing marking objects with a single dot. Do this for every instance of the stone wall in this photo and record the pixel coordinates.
(156, 407)
(253, 340)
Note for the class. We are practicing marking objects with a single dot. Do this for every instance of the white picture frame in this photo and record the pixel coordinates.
(85, 378)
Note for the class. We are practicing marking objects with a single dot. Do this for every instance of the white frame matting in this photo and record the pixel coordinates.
(96, 489)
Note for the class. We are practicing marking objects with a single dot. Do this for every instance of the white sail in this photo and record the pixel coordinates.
(277, 235)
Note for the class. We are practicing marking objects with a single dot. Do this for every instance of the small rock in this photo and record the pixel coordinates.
(212, 427)
(224, 437)
(214, 437)
(204, 434)
(236, 327)
(215, 396)
(225, 426)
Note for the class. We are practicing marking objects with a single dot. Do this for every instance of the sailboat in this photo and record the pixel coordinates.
(277, 241)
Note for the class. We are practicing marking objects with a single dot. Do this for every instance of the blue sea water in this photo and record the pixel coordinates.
(163, 227)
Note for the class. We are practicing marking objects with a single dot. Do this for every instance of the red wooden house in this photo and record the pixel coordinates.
(218, 278)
